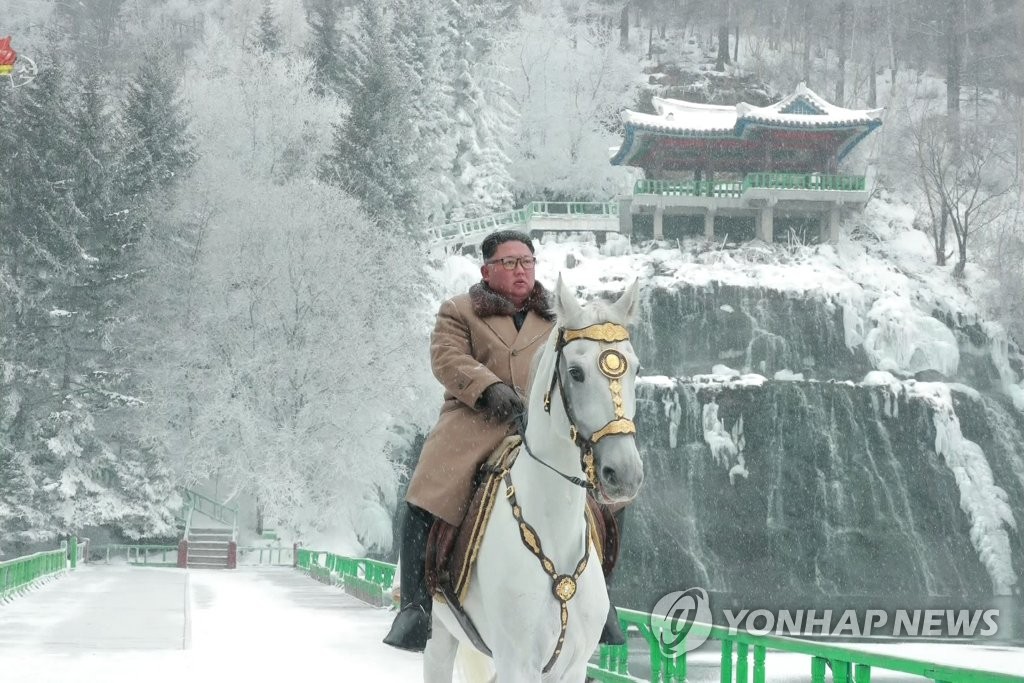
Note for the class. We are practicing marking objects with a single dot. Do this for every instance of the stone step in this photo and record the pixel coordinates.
(208, 545)
(199, 538)
(208, 553)
(208, 565)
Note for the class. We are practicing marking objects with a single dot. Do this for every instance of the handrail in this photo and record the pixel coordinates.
(17, 574)
(761, 180)
(847, 664)
(369, 580)
(198, 502)
(522, 217)
(285, 555)
(140, 554)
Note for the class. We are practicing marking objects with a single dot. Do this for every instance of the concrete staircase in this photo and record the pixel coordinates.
(208, 547)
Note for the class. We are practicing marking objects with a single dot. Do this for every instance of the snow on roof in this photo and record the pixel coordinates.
(804, 108)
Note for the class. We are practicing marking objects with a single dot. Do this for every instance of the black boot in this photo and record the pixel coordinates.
(612, 633)
(411, 628)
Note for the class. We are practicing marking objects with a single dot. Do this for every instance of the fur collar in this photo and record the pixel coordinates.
(487, 302)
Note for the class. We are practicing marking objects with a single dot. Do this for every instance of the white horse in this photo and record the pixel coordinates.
(542, 621)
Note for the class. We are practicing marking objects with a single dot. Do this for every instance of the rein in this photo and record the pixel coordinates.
(613, 365)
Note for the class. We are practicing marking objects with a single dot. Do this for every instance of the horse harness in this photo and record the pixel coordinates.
(613, 365)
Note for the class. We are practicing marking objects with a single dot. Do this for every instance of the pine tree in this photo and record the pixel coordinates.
(156, 145)
(268, 35)
(324, 46)
(374, 151)
(421, 34)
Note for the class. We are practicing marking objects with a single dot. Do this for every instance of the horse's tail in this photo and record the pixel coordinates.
(474, 666)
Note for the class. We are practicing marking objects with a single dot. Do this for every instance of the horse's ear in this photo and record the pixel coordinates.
(628, 304)
(566, 305)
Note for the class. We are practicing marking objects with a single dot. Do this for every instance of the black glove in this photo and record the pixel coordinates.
(501, 402)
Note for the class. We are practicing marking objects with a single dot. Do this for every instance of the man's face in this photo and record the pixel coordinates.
(516, 284)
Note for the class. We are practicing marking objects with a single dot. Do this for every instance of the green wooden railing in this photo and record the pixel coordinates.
(847, 666)
(141, 555)
(366, 579)
(769, 181)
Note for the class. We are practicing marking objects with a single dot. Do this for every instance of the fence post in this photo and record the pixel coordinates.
(183, 553)
(295, 555)
(232, 555)
(73, 551)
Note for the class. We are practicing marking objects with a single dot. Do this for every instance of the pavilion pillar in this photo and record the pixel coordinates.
(625, 216)
(766, 224)
(834, 217)
(709, 225)
(659, 222)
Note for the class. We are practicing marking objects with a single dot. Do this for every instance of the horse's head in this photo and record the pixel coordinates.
(593, 376)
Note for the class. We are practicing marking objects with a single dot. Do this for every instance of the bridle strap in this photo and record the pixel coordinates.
(563, 586)
(607, 333)
(573, 480)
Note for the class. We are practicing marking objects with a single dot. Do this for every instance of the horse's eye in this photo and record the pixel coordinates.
(576, 373)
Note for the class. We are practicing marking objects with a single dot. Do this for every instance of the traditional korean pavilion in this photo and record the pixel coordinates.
(745, 162)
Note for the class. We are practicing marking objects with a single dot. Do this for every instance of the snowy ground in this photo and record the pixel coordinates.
(115, 624)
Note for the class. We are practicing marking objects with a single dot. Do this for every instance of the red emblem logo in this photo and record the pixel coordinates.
(7, 57)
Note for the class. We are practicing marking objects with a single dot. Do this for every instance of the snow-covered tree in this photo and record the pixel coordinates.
(324, 47)
(156, 144)
(569, 83)
(268, 34)
(374, 155)
(484, 117)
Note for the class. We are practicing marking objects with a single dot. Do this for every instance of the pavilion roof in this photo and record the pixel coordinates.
(804, 110)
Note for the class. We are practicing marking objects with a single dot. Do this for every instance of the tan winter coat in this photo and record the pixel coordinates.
(474, 345)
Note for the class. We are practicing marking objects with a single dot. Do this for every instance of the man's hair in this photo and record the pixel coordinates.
(492, 241)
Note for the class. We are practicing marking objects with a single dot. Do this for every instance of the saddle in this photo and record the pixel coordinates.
(452, 550)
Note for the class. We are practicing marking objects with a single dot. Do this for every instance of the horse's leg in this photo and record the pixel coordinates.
(439, 655)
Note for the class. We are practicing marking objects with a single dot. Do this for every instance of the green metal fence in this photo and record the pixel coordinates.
(147, 555)
(363, 578)
(805, 181)
(275, 556)
(18, 574)
(743, 656)
(521, 218)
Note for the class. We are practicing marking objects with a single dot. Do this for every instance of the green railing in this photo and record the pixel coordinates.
(805, 181)
(18, 574)
(770, 181)
(521, 217)
(198, 502)
(704, 188)
(368, 580)
(847, 666)
(143, 555)
(273, 557)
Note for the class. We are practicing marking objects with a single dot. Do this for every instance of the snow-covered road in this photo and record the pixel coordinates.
(118, 624)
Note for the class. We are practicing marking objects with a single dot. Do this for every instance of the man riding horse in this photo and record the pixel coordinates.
(481, 350)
